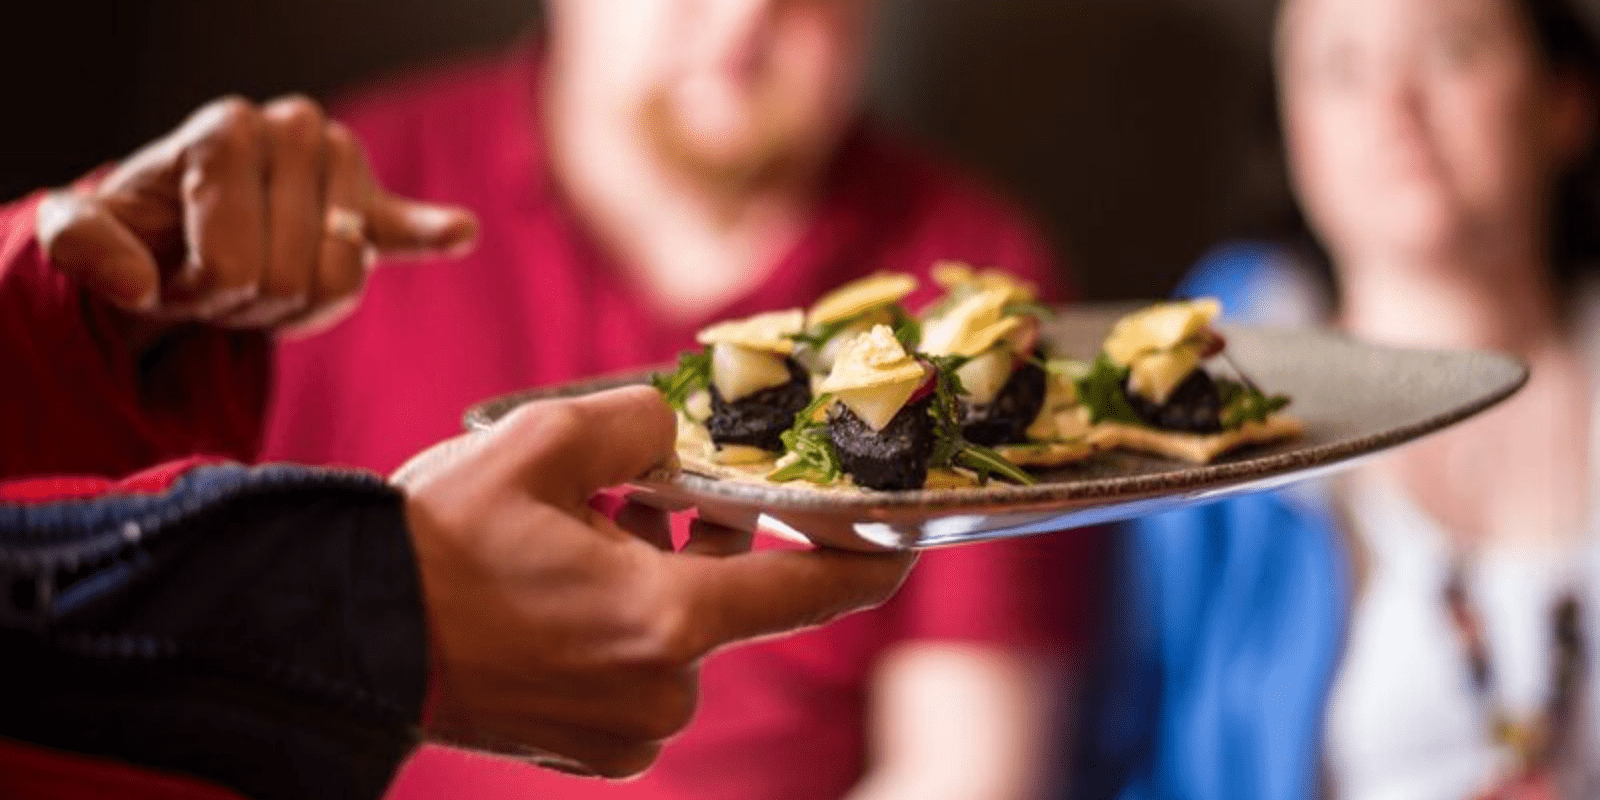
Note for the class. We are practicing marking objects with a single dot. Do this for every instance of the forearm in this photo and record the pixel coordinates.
(86, 393)
(959, 722)
(261, 629)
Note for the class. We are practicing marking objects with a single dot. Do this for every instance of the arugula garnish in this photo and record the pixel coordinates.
(950, 447)
(1100, 391)
(816, 460)
(826, 332)
(1243, 403)
(907, 330)
(692, 375)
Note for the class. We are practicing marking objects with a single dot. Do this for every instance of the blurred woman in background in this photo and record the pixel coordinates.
(1411, 631)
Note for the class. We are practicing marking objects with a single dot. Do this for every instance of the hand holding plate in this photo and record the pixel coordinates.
(558, 635)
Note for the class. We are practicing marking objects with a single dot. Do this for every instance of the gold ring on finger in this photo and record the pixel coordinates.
(346, 225)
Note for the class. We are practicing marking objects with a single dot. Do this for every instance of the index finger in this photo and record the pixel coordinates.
(573, 447)
(776, 591)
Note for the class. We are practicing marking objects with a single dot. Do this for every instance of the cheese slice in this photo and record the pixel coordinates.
(1155, 375)
(970, 327)
(739, 455)
(953, 478)
(770, 332)
(739, 372)
(1070, 422)
(865, 294)
(875, 376)
(874, 358)
(1159, 327)
(959, 278)
(831, 348)
(983, 377)
(877, 405)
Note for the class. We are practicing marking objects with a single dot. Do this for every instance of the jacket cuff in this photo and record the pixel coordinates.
(258, 627)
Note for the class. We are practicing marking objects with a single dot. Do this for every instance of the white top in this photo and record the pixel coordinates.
(1404, 721)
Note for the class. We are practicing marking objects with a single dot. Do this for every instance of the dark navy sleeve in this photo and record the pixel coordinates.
(261, 628)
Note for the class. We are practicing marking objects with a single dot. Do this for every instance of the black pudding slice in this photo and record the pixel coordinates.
(1195, 406)
(893, 458)
(1006, 420)
(760, 419)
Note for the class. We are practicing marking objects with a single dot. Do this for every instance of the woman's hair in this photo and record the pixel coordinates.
(1567, 45)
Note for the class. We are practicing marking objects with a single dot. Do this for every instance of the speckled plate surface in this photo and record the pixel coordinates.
(1355, 400)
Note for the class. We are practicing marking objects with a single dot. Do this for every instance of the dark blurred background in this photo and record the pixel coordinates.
(1123, 123)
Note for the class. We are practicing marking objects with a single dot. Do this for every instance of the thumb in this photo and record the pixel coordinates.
(570, 448)
(398, 225)
(83, 240)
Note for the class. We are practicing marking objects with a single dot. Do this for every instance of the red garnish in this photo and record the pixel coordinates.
(930, 381)
(1214, 342)
(1025, 339)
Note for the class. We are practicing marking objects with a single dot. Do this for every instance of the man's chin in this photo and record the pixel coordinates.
(736, 162)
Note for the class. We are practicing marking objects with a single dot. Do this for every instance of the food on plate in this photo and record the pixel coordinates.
(857, 392)
(887, 419)
(989, 320)
(743, 388)
(851, 310)
(1150, 389)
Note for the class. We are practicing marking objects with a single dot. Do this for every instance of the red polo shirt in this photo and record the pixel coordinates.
(539, 302)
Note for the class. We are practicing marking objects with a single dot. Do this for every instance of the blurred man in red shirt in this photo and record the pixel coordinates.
(641, 170)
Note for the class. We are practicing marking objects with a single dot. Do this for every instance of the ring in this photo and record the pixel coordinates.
(346, 225)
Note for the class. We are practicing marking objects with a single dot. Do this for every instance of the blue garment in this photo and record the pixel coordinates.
(1227, 627)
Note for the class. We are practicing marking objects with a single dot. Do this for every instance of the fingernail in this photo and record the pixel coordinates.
(432, 218)
(566, 765)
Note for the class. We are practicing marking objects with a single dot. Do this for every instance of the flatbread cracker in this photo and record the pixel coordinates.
(1198, 448)
(1049, 454)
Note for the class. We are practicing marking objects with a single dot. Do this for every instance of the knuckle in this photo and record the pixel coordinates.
(64, 226)
(662, 641)
(549, 418)
(234, 130)
(342, 151)
(230, 103)
(298, 120)
(339, 136)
